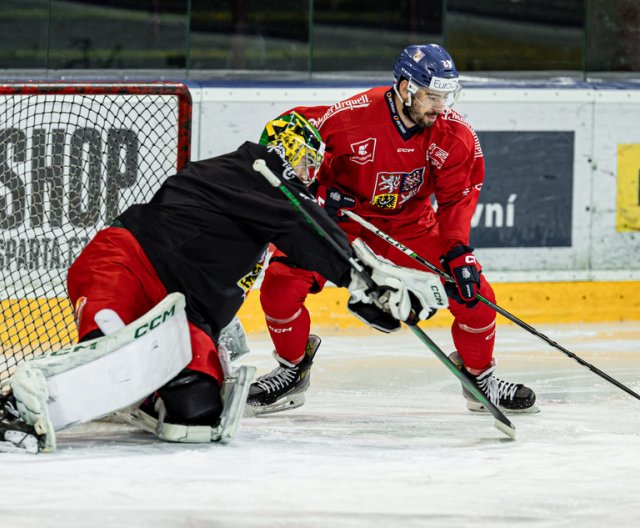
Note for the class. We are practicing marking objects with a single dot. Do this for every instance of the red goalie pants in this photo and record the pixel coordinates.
(114, 272)
(284, 290)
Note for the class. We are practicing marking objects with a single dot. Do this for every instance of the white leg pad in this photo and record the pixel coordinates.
(30, 391)
(95, 378)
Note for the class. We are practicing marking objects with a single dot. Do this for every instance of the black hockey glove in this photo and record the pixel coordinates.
(461, 264)
(373, 316)
(333, 200)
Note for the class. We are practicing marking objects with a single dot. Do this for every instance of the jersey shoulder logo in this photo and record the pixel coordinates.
(394, 189)
(436, 155)
(363, 151)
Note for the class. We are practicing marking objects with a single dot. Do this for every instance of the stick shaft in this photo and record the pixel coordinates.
(260, 166)
(412, 254)
(501, 421)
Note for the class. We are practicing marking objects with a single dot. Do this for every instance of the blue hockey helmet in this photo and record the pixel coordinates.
(429, 66)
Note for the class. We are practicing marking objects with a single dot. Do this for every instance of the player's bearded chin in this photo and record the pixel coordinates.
(421, 118)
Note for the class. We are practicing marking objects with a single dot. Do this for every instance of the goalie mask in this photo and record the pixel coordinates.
(301, 142)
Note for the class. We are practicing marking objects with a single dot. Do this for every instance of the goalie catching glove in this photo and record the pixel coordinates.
(400, 294)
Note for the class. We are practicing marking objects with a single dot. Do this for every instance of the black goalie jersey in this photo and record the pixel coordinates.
(207, 230)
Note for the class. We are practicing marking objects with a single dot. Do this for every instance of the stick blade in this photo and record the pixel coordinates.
(506, 427)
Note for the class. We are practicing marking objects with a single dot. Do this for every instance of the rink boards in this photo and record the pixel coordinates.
(532, 302)
(541, 302)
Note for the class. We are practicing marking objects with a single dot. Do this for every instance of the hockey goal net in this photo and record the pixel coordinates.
(72, 157)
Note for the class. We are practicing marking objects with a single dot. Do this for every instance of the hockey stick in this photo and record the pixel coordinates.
(502, 311)
(260, 166)
(501, 421)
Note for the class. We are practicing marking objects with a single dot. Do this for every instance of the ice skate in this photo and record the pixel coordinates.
(284, 387)
(508, 396)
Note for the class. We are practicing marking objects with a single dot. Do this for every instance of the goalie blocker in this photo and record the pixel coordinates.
(114, 372)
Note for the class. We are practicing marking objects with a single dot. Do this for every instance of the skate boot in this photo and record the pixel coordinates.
(284, 387)
(507, 396)
(16, 436)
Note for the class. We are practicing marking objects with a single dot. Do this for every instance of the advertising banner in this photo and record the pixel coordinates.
(68, 167)
(527, 196)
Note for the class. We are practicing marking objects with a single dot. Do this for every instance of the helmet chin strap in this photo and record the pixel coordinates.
(406, 105)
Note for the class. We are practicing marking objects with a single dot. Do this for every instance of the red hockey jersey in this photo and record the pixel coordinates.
(392, 171)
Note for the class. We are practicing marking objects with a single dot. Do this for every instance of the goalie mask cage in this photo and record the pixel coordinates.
(72, 157)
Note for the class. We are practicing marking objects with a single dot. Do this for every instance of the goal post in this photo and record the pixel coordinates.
(73, 156)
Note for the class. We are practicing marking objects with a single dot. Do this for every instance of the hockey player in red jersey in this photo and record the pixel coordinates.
(200, 239)
(390, 149)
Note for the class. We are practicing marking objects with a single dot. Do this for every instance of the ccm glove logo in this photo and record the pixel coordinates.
(437, 296)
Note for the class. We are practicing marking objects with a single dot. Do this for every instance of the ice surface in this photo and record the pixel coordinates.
(383, 440)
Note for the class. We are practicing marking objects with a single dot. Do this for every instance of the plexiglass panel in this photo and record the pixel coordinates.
(304, 37)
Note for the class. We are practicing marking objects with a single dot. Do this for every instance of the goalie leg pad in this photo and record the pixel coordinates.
(235, 390)
(95, 378)
(30, 390)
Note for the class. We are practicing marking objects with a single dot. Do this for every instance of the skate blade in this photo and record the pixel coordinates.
(293, 401)
(478, 407)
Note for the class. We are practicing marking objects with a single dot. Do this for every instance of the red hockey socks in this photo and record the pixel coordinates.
(289, 335)
(474, 345)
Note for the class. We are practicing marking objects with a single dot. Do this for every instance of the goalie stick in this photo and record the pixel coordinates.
(502, 423)
(412, 254)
